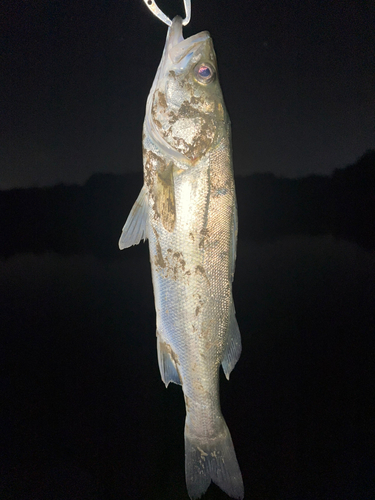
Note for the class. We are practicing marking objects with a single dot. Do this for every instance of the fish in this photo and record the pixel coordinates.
(187, 210)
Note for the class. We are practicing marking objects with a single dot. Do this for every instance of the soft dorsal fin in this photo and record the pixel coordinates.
(234, 347)
(135, 228)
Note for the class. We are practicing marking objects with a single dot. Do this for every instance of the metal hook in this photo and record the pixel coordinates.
(151, 4)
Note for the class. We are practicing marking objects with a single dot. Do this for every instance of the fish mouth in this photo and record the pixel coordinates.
(179, 49)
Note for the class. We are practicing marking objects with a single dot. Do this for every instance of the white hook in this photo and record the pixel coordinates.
(151, 4)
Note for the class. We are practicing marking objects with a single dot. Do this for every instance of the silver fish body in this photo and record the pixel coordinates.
(187, 210)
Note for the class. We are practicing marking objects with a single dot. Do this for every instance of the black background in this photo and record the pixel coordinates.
(84, 413)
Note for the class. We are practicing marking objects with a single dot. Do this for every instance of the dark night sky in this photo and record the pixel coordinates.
(298, 80)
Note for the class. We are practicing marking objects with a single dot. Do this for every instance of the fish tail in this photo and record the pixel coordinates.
(212, 459)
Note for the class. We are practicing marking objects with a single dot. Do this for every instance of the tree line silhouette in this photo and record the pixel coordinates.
(71, 219)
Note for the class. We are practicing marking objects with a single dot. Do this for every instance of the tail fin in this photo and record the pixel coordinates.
(212, 459)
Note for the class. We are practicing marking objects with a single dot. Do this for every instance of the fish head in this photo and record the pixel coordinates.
(185, 109)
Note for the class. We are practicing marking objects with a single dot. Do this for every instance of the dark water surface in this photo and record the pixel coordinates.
(84, 414)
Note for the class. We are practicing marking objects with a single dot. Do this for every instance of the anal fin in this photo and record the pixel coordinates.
(167, 362)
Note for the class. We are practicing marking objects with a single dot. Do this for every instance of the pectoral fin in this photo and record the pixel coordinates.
(164, 197)
(167, 362)
(233, 349)
(135, 227)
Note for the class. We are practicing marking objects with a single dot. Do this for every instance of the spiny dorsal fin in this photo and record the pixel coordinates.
(234, 239)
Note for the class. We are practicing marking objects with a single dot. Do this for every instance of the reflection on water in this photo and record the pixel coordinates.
(85, 414)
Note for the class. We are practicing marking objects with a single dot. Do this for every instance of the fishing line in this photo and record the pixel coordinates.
(151, 4)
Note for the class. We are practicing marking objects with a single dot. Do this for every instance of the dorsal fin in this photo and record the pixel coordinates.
(233, 347)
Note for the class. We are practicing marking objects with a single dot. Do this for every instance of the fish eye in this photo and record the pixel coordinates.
(204, 73)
